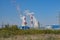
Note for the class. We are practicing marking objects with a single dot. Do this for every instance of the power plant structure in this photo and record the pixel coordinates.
(24, 23)
(36, 23)
(59, 18)
(33, 21)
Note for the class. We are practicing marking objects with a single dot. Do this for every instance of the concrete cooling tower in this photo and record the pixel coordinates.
(36, 23)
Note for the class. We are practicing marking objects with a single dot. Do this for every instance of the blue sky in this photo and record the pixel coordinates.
(46, 11)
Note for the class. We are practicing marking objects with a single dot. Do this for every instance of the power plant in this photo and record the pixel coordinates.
(24, 23)
(33, 21)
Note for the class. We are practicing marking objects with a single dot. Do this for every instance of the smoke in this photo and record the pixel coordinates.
(13, 2)
(16, 5)
(18, 9)
(28, 12)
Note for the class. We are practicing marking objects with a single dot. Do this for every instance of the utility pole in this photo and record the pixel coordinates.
(59, 18)
(2, 25)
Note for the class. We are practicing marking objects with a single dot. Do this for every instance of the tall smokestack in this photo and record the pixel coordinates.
(31, 19)
(30, 14)
(24, 23)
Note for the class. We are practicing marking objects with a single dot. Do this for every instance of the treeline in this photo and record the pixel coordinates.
(13, 30)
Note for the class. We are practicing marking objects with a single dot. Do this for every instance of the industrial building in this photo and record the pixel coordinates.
(53, 27)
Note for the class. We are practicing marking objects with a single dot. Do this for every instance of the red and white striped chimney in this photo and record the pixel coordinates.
(24, 23)
(31, 19)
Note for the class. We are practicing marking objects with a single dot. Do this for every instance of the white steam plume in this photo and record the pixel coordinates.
(28, 13)
(19, 11)
(14, 1)
(35, 22)
(17, 8)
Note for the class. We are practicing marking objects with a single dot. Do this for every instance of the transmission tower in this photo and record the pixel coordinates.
(59, 18)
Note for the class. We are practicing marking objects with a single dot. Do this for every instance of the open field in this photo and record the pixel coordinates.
(34, 37)
(14, 33)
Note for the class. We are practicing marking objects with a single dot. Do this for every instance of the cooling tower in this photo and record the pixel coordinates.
(24, 23)
(36, 23)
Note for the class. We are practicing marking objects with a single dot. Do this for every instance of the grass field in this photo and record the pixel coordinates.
(14, 33)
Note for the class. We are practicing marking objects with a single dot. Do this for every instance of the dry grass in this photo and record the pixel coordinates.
(34, 37)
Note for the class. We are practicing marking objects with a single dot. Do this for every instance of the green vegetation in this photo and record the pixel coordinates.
(13, 30)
